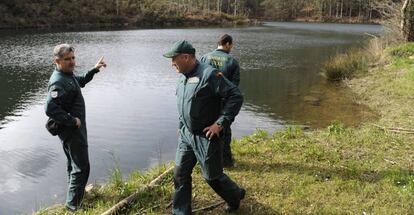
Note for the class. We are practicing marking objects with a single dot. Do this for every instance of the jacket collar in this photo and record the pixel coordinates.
(222, 50)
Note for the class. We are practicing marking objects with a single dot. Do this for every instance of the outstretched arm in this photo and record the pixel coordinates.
(84, 79)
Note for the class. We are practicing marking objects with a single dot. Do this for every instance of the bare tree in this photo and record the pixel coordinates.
(392, 20)
(407, 16)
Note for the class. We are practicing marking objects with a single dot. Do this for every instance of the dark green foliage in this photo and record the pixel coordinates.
(94, 13)
(148, 13)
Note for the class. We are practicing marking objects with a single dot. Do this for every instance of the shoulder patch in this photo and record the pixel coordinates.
(219, 74)
(54, 94)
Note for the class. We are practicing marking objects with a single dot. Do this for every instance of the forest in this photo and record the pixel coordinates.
(159, 13)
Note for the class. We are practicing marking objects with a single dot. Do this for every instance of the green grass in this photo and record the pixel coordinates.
(401, 51)
(334, 170)
(103, 197)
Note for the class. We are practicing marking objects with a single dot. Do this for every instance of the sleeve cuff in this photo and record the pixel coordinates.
(73, 122)
(94, 70)
(223, 122)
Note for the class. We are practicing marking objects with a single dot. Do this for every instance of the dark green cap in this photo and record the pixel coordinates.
(180, 47)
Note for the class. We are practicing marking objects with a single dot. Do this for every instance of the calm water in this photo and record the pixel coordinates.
(131, 109)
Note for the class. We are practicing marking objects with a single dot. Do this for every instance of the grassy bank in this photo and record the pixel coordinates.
(335, 170)
(345, 66)
(343, 20)
(356, 62)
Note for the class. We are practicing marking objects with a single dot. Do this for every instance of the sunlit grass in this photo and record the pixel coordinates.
(328, 171)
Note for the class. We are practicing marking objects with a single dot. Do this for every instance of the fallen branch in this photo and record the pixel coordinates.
(396, 130)
(371, 35)
(390, 161)
(146, 210)
(114, 209)
(168, 205)
(402, 132)
(208, 207)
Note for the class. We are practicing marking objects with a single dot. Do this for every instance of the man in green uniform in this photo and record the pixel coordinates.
(226, 64)
(200, 91)
(66, 106)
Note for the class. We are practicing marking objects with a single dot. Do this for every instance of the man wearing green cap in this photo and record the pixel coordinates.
(200, 91)
(225, 63)
(65, 105)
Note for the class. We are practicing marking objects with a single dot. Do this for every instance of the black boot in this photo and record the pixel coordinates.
(233, 208)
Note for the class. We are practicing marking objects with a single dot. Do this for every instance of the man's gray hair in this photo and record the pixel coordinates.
(60, 50)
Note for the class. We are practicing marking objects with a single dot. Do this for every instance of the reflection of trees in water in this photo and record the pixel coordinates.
(19, 86)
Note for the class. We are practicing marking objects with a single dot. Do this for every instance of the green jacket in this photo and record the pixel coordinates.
(225, 63)
(204, 96)
(65, 101)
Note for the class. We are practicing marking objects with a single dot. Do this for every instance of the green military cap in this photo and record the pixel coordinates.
(180, 47)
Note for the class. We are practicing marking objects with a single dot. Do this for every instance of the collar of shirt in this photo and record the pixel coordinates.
(191, 73)
(222, 50)
(65, 73)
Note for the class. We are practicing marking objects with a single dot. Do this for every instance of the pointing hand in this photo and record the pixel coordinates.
(101, 63)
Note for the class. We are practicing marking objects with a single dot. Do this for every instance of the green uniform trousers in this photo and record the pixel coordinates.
(78, 167)
(192, 148)
(227, 155)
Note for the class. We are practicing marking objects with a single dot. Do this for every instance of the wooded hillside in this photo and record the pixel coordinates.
(154, 13)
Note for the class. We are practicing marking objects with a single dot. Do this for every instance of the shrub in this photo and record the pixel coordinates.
(345, 66)
(336, 128)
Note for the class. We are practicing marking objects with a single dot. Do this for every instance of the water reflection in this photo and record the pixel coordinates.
(294, 91)
(19, 88)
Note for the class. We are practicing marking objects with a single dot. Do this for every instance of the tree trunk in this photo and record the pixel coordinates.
(370, 10)
(330, 8)
(407, 26)
(321, 6)
(235, 7)
(117, 7)
(337, 10)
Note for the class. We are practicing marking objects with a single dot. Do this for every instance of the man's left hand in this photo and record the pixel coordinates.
(212, 130)
(101, 63)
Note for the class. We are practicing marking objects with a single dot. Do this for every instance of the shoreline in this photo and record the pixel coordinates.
(332, 20)
(185, 24)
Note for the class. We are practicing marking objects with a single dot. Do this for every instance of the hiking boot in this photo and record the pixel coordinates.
(229, 165)
(234, 208)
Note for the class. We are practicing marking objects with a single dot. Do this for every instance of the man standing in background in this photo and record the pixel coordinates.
(229, 67)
